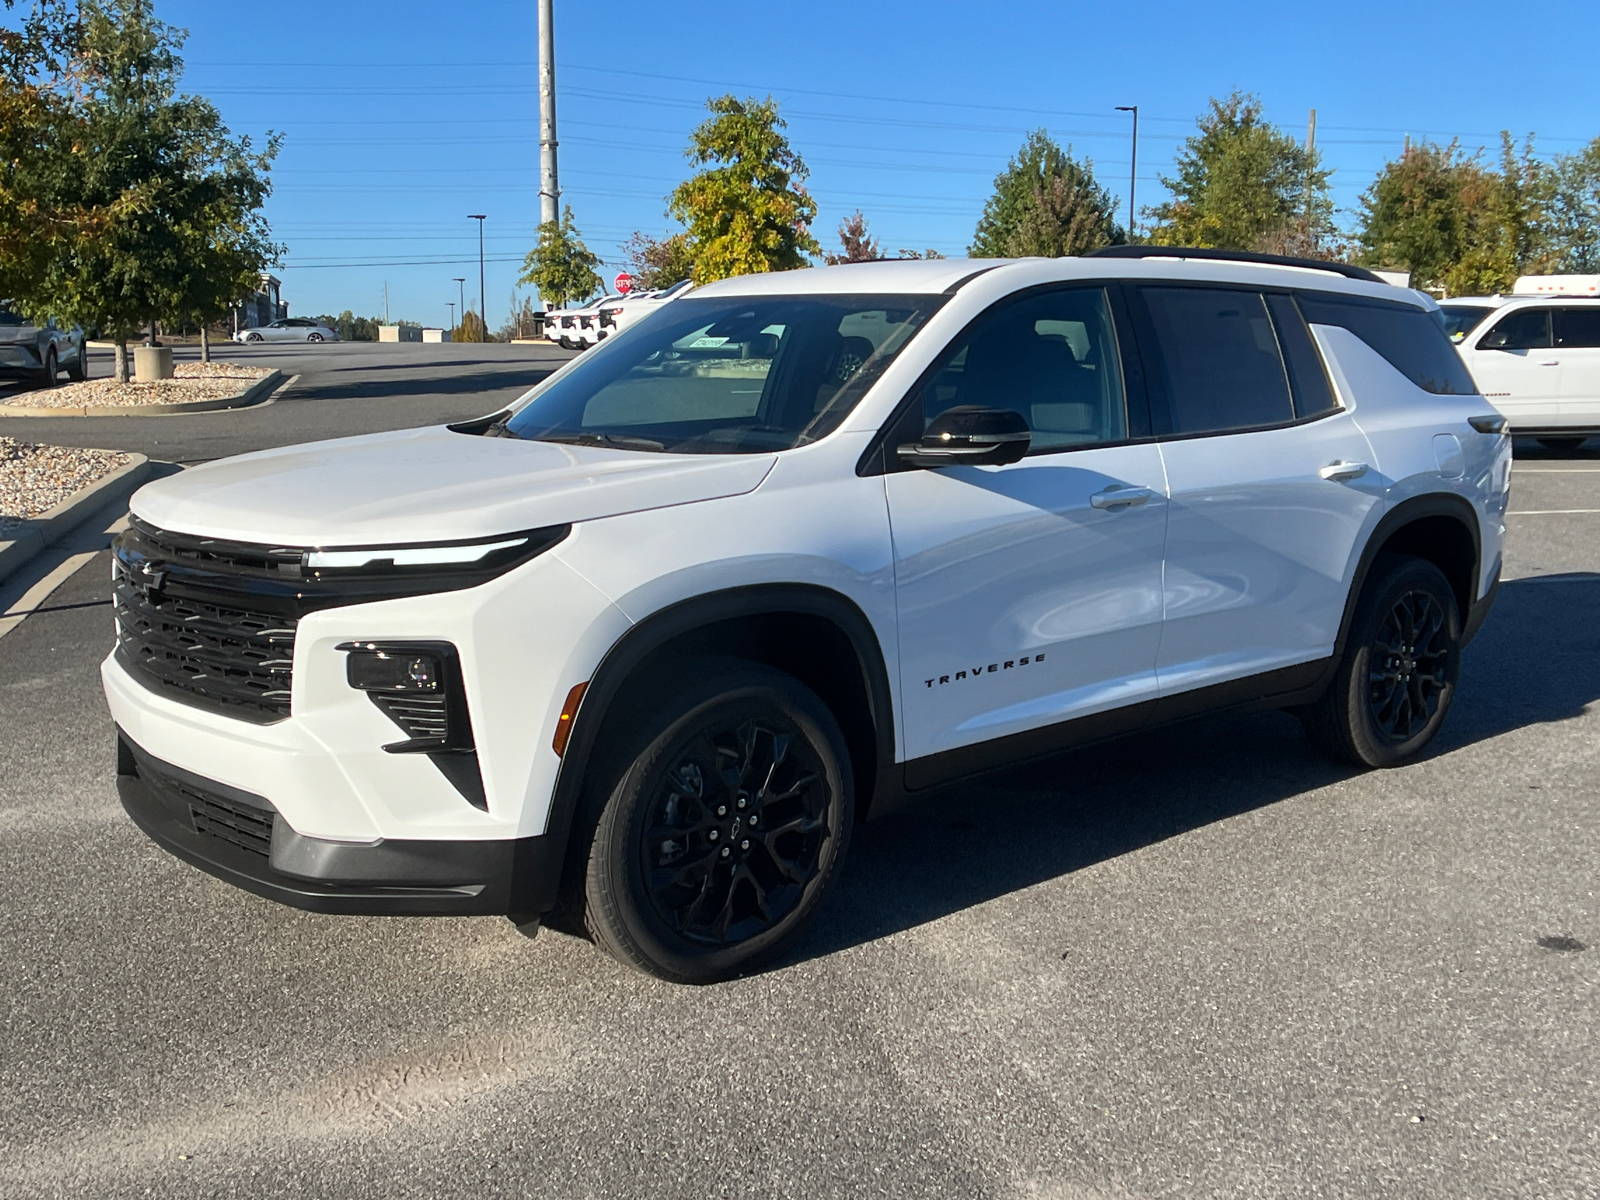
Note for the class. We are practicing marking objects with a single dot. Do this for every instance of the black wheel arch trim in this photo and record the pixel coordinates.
(684, 617)
(1407, 512)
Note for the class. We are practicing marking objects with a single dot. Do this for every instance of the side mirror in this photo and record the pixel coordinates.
(970, 436)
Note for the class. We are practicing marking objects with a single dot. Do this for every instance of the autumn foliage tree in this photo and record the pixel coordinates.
(747, 210)
(1045, 203)
(856, 243)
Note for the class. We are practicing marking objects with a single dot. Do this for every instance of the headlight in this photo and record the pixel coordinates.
(485, 557)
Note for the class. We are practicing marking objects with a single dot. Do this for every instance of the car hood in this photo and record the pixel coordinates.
(425, 485)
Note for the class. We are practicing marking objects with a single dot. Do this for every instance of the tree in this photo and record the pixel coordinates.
(658, 262)
(184, 236)
(559, 265)
(857, 243)
(1457, 225)
(471, 329)
(748, 211)
(1243, 184)
(1575, 210)
(1045, 203)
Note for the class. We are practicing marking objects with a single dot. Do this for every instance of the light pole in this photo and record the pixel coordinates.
(549, 189)
(483, 306)
(452, 305)
(1133, 170)
(461, 283)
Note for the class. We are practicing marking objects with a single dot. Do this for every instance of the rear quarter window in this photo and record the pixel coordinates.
(1413, 342)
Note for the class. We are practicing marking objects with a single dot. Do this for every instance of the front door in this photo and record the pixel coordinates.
(1272, 485)
(1029, 594)
(1518, 368)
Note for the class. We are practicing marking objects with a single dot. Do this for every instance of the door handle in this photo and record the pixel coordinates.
(1343, 470)
(1117, 496)
(1554, 362)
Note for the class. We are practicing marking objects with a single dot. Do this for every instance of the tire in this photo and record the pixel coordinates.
(1561, 443)
(314, 337)
(682, 880)
(1393, 687)
(253, 337)
(51, 371)
(78, 369)
(566, 344)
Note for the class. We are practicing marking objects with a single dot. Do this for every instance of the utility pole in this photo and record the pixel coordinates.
(1133, 169)
(483, 306)
(1311, 166)
(385, 301)
(452, 305)
(549, 188)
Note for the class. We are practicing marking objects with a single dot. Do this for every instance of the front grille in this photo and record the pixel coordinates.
(419, 716)
(235, 659)
(195, 620)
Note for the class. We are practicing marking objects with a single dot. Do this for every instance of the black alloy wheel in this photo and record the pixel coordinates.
(735, 831)
(1408, 667)
(1392, 688)
(724, 830)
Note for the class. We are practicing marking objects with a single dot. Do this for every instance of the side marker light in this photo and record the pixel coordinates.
(564, 723)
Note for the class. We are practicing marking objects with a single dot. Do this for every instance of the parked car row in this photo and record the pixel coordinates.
(39, 353)
(591, 323)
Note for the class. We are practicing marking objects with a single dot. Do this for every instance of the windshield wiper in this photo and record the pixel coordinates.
(621, 441)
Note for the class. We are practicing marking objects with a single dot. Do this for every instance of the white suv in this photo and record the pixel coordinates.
(1537, 359)
(635, 653)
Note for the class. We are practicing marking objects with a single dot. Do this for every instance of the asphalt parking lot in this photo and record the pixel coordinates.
(1197, 963)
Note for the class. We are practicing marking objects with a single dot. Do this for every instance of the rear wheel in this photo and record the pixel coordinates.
(1394, 685)
(1561, 443)
(315, 337)
(722, 835)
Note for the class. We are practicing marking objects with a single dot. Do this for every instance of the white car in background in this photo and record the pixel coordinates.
(617, 315)
(1536, 354)
(566, 326)
(289, 329)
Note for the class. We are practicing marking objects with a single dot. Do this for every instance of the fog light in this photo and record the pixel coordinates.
(389, 671)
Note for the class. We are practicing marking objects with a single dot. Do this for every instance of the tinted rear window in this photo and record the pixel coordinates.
(1220, 359)
(1462, 319)
(1578, 328)
(1413, 341)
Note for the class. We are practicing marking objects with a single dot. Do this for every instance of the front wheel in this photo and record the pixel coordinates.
(78, 368)
(252, 337)
(722, 835)
(51, 371)
(1394, 685)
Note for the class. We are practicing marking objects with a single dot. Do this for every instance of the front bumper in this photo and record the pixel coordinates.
(240, 838)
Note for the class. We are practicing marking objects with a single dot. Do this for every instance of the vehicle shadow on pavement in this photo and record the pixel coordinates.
(965, 844)
(395, 385)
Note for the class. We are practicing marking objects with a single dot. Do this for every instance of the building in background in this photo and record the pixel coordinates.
(262, 306)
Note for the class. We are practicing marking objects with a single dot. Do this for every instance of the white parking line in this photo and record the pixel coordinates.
(1551, 512)
(1555, 471)
(79, 549)
(40, 592)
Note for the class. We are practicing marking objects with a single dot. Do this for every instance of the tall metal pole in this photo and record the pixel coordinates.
(483, 303)
(452, 305)
(1133, 169)
(549, 186)
(1311, 162)
(461, 286)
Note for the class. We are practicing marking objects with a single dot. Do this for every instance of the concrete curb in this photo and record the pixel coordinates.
(46, 530)
(254, 394)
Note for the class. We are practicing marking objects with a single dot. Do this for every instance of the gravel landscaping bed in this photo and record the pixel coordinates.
(193, 381)
(34, 479)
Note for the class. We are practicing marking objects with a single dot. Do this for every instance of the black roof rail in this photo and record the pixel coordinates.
(1244, 256)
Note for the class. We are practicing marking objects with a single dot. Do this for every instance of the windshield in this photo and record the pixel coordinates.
(1462, 319)
(740, 375)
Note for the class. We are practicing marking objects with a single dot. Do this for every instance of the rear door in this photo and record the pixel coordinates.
(1518, 368)
(1030, 594)
(1271, 484)
(1577, 336)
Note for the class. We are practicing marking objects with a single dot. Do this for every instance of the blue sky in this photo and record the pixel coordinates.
(400, 118)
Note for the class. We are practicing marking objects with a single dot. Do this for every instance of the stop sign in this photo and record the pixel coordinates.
(623, 283)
